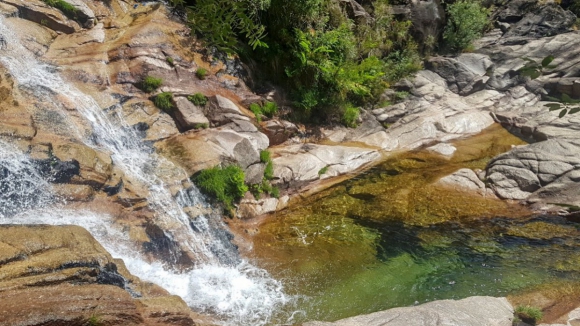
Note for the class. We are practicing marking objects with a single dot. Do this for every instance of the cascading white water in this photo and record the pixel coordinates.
(221, 283)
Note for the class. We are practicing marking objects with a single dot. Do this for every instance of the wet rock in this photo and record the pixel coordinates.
(57, 171)
(61, 276)
(71, 192)
(466, 179)
(94, 167)
(251, 208)
(472, 311)
(443, 149)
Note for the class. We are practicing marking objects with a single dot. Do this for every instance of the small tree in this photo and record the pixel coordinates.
(466, 22)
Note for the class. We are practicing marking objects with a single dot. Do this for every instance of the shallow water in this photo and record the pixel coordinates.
(391, 238)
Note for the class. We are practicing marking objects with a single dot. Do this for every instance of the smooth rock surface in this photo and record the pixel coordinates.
(472, 311)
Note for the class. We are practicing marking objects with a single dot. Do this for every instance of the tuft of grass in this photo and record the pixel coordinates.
(164, 101)
(201, 73)
(150, 83)
(198, 99)
(269, 171)
(257, 110)
(529, 314)
(94, 320)
(323, 170)
(350, 116)
(265, 156)
(275, 192)
(170, 61)
(201, 126)
(225, 184)
(67, 9)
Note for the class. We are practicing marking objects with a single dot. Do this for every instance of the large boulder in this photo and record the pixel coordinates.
(62, 276)
(464, 74)
(524, 170)
(472, 311)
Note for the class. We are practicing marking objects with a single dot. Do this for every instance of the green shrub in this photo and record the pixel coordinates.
(528, 314)
(225, 184)
(201, 73)
(466, 21)
(201, 126)
(350, 116)
(257, 110)
(150, 83)
(198, 99)
(270, 109)
(67, 9)
(170, 61)
(265, 156)
(275, 192)
(269, 171)
(323, 170)
(164, 101)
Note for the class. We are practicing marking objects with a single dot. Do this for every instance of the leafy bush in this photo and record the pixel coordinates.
(270, 109)
(164, 101)
(350, 116)
(201, 73)
(466, 21)
(67, 9)
(198, 99)
(225, 184)
(150, 83)
(528, 314)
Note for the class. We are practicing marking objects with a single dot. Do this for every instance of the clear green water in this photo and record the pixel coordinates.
(391, 238)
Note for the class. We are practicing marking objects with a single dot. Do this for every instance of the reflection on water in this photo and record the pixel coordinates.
(391, 238)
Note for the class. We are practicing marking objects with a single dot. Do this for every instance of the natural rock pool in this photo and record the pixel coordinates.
(390, 237)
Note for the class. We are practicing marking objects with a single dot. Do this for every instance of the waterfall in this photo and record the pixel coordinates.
(221, 283)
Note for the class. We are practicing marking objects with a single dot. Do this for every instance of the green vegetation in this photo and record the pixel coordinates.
(466, 21)
(198, 99)
(325, 57)
(257, 110)
(67, 9)
(264, 187)
(528, 314)
(225, 184)
(323, 170)
(265, 156)
(201, 73)
(201, 126)
(270, 109)
(150, 83)
(164, 101)
(170, 61)
(94, 320)
(350, 116)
